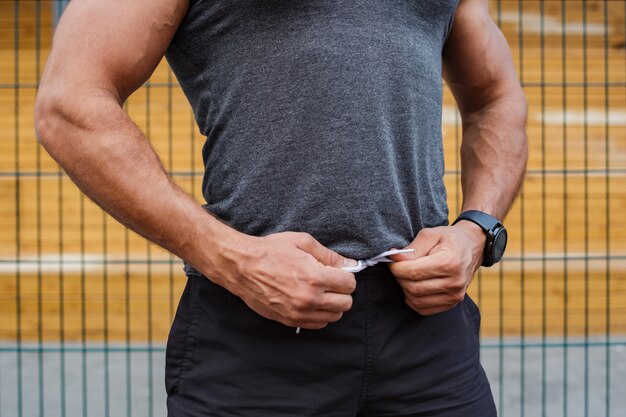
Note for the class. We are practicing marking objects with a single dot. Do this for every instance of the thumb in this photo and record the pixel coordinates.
(423, 243)
(326, 256)
(407, 256)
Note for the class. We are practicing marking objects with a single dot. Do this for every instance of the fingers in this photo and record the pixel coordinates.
(312, 325)
(408, 256)
(426, 290)
(317, 319)
(307, 302)
(314, 319)
(335, 302)
(430, 311)
(297, 281)
(425, 267)
(316, 311)
(432, 304)
(335, 280)
(423, 243)
(437, 278)
(435, 295)
(425, 287)
(324, 255)
(332, 278)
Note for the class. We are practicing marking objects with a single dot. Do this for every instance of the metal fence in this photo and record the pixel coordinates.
(85, 305)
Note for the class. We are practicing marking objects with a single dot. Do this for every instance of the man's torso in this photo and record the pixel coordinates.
(321, 116)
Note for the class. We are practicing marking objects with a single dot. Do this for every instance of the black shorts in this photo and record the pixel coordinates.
(380, 359)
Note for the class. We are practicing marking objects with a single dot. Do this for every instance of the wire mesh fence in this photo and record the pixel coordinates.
(85, 305)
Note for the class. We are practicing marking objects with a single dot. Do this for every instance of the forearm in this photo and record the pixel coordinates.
(479, 70)
(493, 155)
(112, 162)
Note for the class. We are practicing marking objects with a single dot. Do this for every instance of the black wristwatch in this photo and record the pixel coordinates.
(495, 231)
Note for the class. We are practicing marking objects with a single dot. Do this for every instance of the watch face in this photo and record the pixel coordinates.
(499, 244)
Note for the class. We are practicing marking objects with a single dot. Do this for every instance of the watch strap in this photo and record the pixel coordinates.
(490, 226)
(484, 220)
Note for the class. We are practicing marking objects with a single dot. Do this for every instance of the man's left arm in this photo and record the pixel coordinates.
(479, 70)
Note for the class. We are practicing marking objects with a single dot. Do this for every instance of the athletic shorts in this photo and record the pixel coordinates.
(381, 359)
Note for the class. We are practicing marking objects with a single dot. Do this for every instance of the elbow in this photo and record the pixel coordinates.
(521, 105)
(56, 117)
(48, 119)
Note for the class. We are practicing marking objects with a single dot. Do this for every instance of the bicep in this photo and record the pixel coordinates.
(477, 61)
(110, 46)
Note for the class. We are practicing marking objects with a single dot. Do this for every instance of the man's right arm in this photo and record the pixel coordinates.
(102, 52)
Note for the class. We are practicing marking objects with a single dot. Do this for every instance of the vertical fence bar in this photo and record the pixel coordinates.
(565, 205)
(170, 165)
(127, 335)
(586, 210)
(61, 292)
(501, 386)
(83, 312)
(83, 306)
(18, 237)
(544, 290)
(607, 214)
(105, 313)
(192, 151)
(149, 273)
(83, 322)
(59, 7)
(520, 17)
(40, 360)
(61, 278)
(457, 166)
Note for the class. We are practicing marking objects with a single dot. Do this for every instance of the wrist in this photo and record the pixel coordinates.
(474, 231)
(495, 234)
(217, 249)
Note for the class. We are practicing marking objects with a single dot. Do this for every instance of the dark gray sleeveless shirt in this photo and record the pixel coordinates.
(321, 116)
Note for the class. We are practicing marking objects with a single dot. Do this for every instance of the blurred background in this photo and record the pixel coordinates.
(86, 305)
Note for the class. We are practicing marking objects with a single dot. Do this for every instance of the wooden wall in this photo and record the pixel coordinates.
(68, 272)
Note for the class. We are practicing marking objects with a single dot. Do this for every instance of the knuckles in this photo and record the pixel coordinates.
(335, 317)
(453, 267)
(348, 304)
(458, 297)
(351, 285)
(303, 302)
(456, 286)
(301, 238)
(426, 232)
(309, 322)
(332, 258)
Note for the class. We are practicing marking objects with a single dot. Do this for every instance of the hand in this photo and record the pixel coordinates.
(290, 278)
(436, 275)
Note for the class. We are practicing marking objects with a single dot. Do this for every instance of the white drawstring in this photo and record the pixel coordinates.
(381, 257)
(365, 263)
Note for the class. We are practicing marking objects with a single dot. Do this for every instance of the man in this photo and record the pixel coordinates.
(323, 125)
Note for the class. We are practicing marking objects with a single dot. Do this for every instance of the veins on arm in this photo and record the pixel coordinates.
(480, 72)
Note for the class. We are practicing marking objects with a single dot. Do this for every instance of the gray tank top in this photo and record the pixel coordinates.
(322, 116)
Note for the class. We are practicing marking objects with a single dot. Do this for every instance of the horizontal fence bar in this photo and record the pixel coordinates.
(161, 348)
(524, 84)
(176, 261)
(530, 172)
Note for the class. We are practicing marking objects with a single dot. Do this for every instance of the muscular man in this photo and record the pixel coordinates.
(323, 125)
